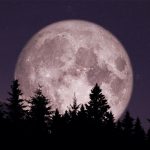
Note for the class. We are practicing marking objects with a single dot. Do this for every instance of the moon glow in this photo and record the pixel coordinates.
(70, 57)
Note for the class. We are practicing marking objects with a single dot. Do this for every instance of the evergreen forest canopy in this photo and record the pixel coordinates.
(90, 125)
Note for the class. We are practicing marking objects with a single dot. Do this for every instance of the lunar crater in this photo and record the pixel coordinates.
(86, 57)
(120, 63)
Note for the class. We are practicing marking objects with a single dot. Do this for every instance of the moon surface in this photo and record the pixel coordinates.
(69, 57)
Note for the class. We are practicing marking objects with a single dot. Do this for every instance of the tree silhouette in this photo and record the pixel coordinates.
(15, 112)
(90, 124)
(148, 138)
(119, 131)
(73, 110)
(83, 128)
(73, 115)
(2, 121)
(97, 110)
(1, 112)
(148, 135)
(66, 119)
(110, 120)
(139, 133)
(82, 116)
(15, 103)
(56, 127)
(110, 124)
(128, 125)
(97, 107)
(40, 112)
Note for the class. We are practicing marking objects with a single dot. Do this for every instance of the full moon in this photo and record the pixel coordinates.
(69, 57)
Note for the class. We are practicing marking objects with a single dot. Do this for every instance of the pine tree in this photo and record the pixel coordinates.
(73, 113)
(56, 126)
(65, 124)
(128, 125)
(73, 110)
(83, 123)
(2, 121)
(148, 135)
(82, 114)
(66, 118)
(110, 121)
(15, 103)
(40, 112)
(97, 107)
(148, 138)
(119, 131)
(139, 133)
(1, 112)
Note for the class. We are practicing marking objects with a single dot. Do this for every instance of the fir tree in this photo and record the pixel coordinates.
(40, 112)
(56, 123)
(128, 125)
(2, 121)
(110, 121)
(73, 113)
(83, 122)
(73, 110)
(15, 103)
(66, 118)
(1, 112)
(139, 133)
(148, 137)
(82, 114)
(119, 131)
(97, 107)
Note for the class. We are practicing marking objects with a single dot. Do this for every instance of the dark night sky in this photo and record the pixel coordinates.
(128, 20)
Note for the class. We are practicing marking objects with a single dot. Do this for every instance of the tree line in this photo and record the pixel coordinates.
(35, 122)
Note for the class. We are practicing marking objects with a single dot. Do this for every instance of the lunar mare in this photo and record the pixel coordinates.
(70, 57)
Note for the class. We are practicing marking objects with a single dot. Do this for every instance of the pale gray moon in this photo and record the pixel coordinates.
(70, 57)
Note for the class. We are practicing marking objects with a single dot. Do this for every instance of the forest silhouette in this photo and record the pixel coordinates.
(81, 126)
